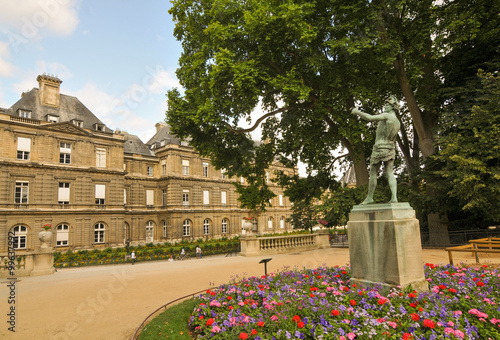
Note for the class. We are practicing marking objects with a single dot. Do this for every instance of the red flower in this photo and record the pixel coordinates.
(301, 324)
(210, 321)
(353, 302)
(413, 305)
(335, 312)
(429, 323)
(296, 318)
(254, 332)
(415, 316)
(261, 323)
(243, 336)
(451, 290)
(229, 298)
(407, 336)
(381, 301)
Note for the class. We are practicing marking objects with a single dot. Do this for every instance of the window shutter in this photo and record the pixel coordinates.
(100, 191)
(223, 197)
(206, 196)
(23, 144)
(150, 197)
(63, 195)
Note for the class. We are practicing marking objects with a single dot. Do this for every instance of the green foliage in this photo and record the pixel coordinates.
(470, 155)
(337, 205)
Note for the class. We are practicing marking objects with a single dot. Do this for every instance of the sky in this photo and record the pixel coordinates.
(117, 56)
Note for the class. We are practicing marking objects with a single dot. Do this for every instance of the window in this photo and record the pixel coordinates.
(99, 233)
(164, 197)
(149, 231)
(185, 167)
(282, 222)
(63, 193)
(185, 197)
(100, 160)
(165, 229)
(23, 148)
(186, 228)
(52, 119)
(100, 194)
(21, 193)
(21, 234)
(150, 171)
(242, 180)
(24, 113)
(98, 127)
(206, 197)
(124, 196)
(64, 153)
(62, 235)
(150, 197)
(223, 198)
(223, 173)
(206, 226)
(163, 167)
(224, 226)
(267, 176)
(281, 200)
(205, 169)
(270, 223)
(78, 123)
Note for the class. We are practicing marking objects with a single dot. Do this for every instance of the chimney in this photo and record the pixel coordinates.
(49, 90)
(159, 126)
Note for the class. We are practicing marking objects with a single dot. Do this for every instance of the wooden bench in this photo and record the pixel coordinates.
(483, 245)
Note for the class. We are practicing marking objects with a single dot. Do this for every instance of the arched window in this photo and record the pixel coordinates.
(62, 236)
(150, 231)
(206, 226)
(21, 235)
(99, 230)
(186, 228)
(224, 226)
(270, 223)
(282, 222)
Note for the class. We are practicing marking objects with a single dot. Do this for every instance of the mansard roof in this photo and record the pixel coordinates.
(163, 135)
(133, 145)
(70, 108)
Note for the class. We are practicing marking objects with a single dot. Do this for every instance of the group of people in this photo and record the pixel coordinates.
(171, 259)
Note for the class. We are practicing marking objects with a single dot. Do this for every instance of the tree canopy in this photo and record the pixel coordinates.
(307, 63)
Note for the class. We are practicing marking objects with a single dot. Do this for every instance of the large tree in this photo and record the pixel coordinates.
(307, 63)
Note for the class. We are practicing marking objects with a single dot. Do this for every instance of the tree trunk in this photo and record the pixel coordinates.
(357, 156)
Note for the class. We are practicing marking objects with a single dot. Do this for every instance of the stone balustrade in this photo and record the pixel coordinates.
(251, 245)
(34, 263)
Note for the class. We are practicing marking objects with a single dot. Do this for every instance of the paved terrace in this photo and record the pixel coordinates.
(110, 302)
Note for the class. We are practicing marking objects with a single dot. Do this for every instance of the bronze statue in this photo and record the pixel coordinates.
(384, 150)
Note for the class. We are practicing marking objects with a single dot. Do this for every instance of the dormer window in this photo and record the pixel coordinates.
(98, 127)
(24, 113)
(78, 123)
(52, 119)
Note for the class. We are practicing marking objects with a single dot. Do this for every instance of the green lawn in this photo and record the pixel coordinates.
(171, 324)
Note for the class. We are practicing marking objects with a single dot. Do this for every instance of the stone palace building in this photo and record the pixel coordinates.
(61, 165)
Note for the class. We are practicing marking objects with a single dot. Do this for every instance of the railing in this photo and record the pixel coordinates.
(25, 120)
(19, 261)
(286, 242)
(459, 237)
(251, 245)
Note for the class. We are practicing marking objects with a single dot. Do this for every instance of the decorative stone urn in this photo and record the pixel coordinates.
(45, 236)
(247, 227)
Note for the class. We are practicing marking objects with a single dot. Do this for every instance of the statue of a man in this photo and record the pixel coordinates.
(384, 149)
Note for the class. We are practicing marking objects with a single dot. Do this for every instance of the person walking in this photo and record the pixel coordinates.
(132, 257)
(198, 252)
(183, 253)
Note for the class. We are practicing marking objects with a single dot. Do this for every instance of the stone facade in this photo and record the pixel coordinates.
(60, 165)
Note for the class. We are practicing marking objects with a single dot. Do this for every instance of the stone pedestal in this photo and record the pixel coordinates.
(43, 262)
(385, 247)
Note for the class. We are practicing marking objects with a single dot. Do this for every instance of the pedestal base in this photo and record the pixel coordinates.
(385, 248)
(43, 260)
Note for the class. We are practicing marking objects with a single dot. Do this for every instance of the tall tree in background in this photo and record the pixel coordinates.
(307, 63)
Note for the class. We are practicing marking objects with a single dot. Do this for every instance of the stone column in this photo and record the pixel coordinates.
(385, 247)
(43, 262)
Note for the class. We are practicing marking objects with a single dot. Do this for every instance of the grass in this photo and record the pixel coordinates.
(171, 324)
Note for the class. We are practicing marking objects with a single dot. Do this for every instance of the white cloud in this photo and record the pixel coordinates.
(6, 68)
(34, 18)
(28, 76)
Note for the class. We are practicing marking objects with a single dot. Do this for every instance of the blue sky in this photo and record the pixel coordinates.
(117, 56)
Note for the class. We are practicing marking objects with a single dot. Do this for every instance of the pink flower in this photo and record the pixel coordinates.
(351, 336)
(449, 330)
(458, 333)
(215, 329)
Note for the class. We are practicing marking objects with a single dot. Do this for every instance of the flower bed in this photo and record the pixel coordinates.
(463, 303)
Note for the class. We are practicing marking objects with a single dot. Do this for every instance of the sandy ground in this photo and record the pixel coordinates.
(110, 302)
